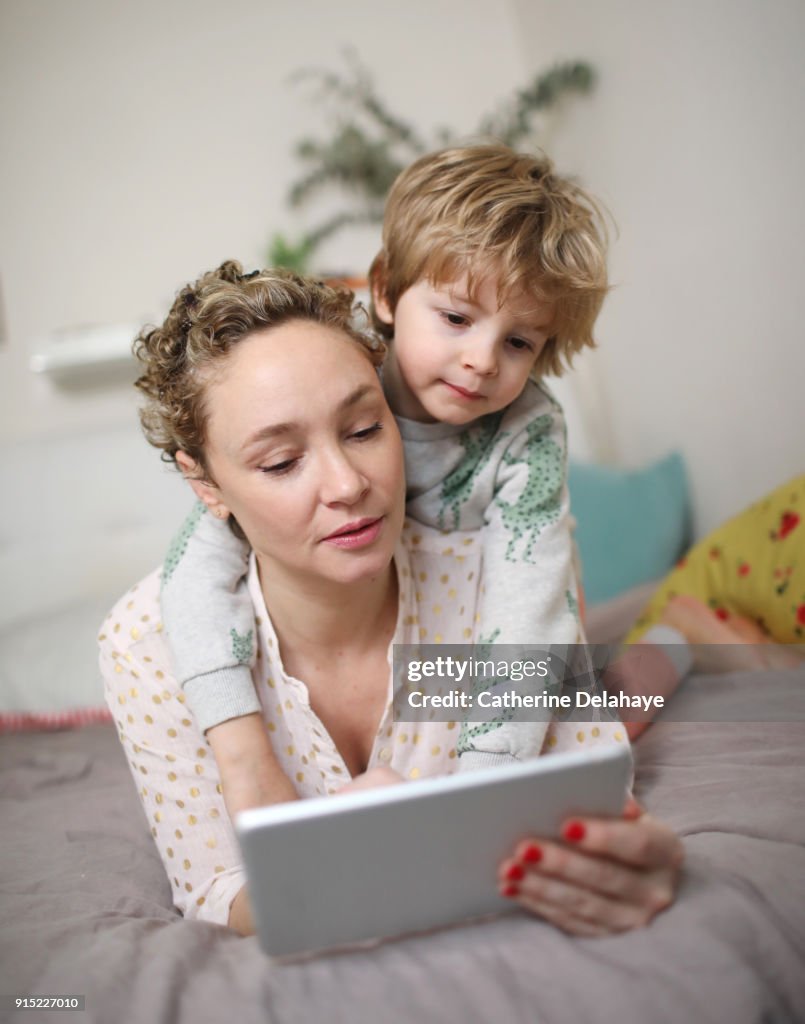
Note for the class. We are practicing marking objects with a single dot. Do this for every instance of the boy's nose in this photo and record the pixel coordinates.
(481, 357)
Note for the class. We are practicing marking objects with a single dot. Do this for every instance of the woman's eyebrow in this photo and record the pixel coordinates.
(277, 429)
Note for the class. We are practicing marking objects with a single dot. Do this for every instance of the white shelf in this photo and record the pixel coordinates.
(76, 352)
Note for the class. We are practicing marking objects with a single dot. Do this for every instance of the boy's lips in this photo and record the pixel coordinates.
(463, 392)
(356, 534)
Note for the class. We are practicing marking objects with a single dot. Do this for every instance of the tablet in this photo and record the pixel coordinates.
(340, 870)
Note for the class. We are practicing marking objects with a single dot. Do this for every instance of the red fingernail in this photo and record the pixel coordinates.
(515, 873)
(574, 831)
(510, 890)
(532, 853)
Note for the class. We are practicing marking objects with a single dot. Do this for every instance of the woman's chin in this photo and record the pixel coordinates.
(361, 568)
(328, 567)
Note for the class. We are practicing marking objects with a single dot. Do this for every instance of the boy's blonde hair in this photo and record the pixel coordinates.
(485, 209)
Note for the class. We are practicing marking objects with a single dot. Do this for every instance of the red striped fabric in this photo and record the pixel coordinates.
(49, 721)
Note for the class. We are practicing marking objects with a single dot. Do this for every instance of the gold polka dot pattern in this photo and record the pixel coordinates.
(172, 760)
(155, 706)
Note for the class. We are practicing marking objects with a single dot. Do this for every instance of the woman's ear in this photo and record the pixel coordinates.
(203, 489)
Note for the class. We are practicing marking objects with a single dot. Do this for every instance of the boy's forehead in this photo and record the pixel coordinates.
(488, 285)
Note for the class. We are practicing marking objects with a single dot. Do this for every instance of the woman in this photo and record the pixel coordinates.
(263, 393)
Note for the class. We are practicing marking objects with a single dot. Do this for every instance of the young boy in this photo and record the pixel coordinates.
(491, 274)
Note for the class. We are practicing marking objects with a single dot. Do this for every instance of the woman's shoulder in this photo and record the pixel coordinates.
(429, 543)
(134, 614)
(445, 568)
(131, 640)
(136, 665)
(440, 584)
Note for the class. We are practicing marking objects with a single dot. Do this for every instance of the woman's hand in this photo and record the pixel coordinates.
(608, 875)
(371, 779)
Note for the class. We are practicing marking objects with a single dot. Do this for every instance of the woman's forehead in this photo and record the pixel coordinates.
(291, 374)
(297, 354)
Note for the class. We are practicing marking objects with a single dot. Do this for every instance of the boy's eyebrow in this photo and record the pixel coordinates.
(277, 429)
(466, 298)
(468, 301)
(459, 296)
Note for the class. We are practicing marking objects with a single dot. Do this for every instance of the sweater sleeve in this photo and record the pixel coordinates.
(209, 618)
(530, 592)
(530, 588)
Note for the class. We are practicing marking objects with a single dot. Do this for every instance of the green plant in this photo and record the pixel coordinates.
(368, 146)
(290, 255)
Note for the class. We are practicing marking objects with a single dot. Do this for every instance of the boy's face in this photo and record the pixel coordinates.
(454, 359)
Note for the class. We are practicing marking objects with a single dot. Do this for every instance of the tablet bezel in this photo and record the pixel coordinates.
(329, 872)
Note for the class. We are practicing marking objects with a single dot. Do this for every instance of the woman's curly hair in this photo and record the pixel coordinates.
(206, 320)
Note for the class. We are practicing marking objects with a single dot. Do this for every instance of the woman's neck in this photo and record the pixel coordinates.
(309, 618)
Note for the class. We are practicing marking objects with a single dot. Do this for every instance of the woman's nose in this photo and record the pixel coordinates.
(342, 481)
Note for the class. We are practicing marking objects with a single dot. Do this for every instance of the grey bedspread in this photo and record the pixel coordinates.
(86, 906)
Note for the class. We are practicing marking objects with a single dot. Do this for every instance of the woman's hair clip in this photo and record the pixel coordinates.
(248, 277)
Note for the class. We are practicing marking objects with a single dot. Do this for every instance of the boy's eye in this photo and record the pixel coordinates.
(521, 344)
(456, 319)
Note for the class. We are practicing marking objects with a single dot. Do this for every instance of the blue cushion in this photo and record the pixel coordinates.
(633, 525)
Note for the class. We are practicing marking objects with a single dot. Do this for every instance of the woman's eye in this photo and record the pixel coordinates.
(278, 468)
(367, 432)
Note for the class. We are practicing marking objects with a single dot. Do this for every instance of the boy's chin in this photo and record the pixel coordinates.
(455, 416)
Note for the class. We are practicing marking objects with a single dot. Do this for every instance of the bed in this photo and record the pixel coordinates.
(85, 903)
(87, 907)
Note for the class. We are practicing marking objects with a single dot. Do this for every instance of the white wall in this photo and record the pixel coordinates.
(695, 138)
(142, 144)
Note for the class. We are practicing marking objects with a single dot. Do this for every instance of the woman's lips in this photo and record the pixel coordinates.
(471, 396)
(356, 535)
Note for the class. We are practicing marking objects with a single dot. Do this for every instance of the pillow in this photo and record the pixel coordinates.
(751, 567)
(633, 525)
(49, 674)
(65, 563)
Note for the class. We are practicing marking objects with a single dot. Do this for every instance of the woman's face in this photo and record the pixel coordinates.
(305, 454)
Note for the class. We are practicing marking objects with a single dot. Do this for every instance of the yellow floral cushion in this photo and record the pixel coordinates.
(752, 566)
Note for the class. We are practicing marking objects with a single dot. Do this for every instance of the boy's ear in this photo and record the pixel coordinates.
(382, 307)
(377, 280)
(203, 489)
